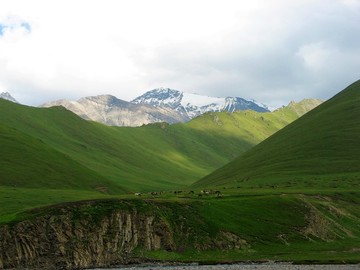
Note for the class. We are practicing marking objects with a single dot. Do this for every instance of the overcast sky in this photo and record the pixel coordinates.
(273, 51)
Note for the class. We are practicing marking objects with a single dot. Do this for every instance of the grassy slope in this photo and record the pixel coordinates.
(321, 149)
(280, 224)
(45, 167)
(276, 225)
(158, 156)
(283, 226)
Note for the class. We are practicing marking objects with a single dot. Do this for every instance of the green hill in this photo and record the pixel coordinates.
(28, 162)
(158, 156)
(321, 149)
(53, 156)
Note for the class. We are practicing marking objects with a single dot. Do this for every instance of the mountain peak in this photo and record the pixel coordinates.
(162, 91)
(193, 105)
(157, 105)
(165, 90)
(110, 110)
(304, 105)
(233, 104)
(107, 100)
(161, 97)
(7, 96)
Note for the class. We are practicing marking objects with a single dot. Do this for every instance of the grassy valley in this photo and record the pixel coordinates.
(252, 225)
(295, 196)
(292, 197)
(158, 156)
(51, 155)
(319, 150)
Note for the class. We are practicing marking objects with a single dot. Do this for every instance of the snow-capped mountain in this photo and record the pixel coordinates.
(7, 96)
(112, 111)
(192, 105)
(158, 105)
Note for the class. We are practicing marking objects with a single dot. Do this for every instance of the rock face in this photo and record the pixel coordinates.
(193, 105)
(111, 111)
(76, 238)
(57, 242)
(158, 105)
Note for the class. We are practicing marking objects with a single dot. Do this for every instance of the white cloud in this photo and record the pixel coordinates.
(268, 50)
(315, 56)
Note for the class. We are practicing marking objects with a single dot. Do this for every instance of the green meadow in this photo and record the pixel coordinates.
(288, 188)
(54, 148)
(50, 156)
(303, 227)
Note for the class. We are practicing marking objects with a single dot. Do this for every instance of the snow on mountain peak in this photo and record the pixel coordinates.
(161, 97)
(260, 104)
(193, 105)
(199, 100)
(157, 105)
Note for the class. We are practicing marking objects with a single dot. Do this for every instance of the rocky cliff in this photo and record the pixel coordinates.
(94, 234)
(111, 111)
(158, 105)
(193, 105)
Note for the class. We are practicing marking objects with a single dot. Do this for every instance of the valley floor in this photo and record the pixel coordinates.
(303, 226)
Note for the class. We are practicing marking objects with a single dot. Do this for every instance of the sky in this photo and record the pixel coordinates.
(273, 51)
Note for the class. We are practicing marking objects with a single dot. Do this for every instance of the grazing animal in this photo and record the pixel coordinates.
(218, 194)
(206, 192)
(154, 193)
(137, 194)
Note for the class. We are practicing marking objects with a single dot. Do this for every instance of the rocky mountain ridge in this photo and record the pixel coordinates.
(193, 105)
(112, 111)
(158, 105)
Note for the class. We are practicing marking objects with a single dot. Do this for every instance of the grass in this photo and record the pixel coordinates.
(15, 201)
(274, 227)
(318, 150)
(28, 162)
(272, 222)
(268, 216)
(52, 147)
(303, 206)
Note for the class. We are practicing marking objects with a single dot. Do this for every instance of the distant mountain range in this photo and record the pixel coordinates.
(158, 105)
(193, 105)
(7, 96)
(112, 111)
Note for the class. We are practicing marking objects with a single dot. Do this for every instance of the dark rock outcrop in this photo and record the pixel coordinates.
(59, 242)
(75, 238)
